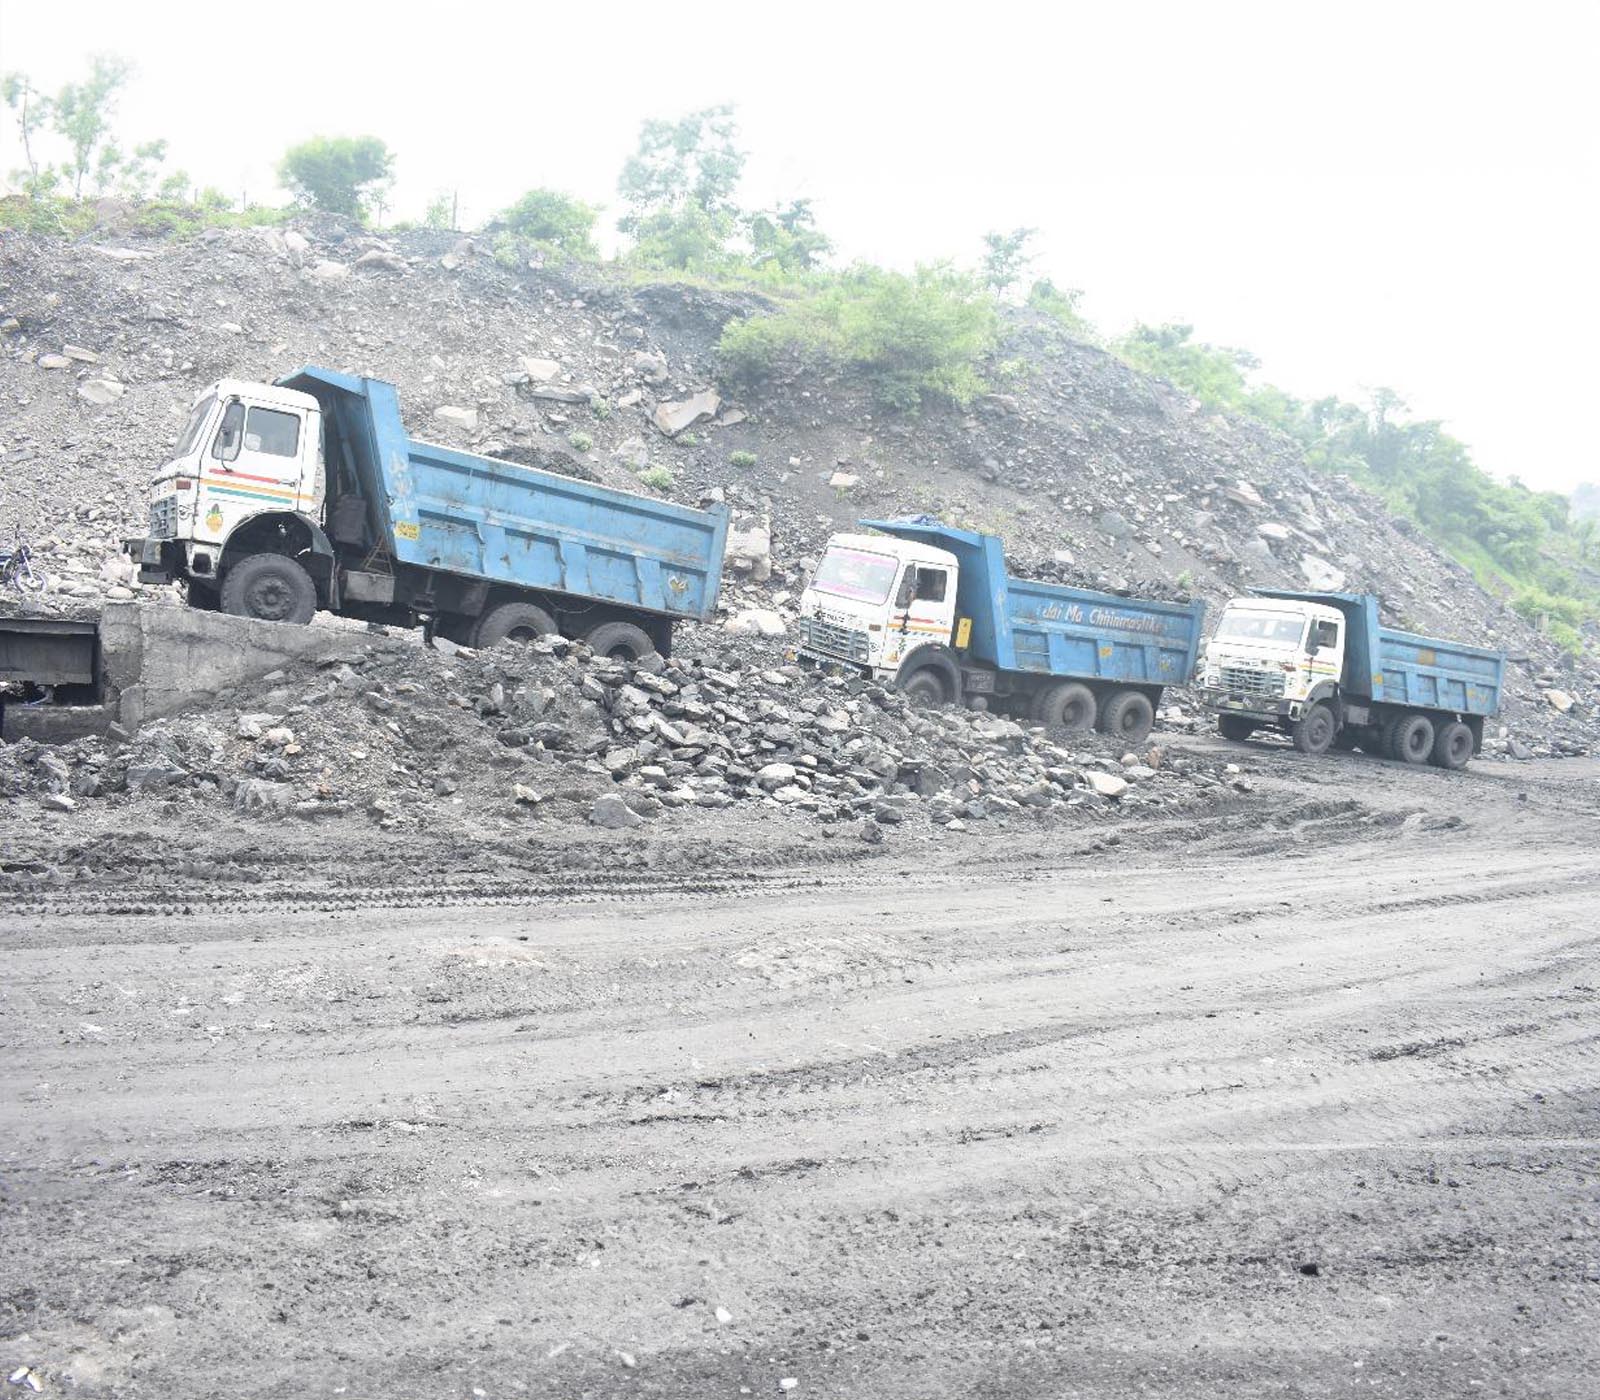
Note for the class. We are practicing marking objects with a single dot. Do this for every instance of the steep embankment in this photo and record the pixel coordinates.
(1088, 468)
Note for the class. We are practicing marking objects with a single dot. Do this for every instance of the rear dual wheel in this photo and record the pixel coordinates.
(1128, 716)
(1069, 705)
(1453, 745)
(1409, 738)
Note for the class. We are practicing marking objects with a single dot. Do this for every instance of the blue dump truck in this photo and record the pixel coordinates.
(284, 498)
(1323, 669)
(931, 609)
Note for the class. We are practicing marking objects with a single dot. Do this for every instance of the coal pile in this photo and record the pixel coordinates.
(407, 737)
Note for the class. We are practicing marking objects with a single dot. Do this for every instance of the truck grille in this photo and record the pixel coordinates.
(1246, 680)
(164, 518)
(833, 640)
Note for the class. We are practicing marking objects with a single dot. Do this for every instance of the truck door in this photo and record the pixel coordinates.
(256, 456)
(1325, 651)
(924, 605)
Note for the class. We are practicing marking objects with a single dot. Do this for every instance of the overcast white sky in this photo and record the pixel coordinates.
(1400, 194)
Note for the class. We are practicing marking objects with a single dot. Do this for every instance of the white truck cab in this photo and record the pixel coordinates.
(876, 600)
(248, 461)
(1273, 656)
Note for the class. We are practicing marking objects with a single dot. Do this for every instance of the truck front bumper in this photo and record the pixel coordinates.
(160, 561)
(1274, 707)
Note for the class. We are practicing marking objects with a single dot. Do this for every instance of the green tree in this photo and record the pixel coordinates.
(346, 175)
(1006, 259)
(677, 189)
(787, 237)
(30, 108)
(441, 211)
(550, 217)
(81, 113)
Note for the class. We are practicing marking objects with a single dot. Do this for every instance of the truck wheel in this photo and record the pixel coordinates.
(270, 588)
(1235, 727)
(1452, 745)
(925, 686)
(620, 639)
(1313, 732)
(1128, 716)
(1068, 705)
(1413, 738)
(515, 622)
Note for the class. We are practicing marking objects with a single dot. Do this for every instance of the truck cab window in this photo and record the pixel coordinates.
(931, 585)
(1327, 634)
(273, 432)
(230, 436)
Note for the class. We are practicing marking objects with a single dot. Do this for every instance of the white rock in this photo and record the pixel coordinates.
(295, 241)
(540, 371)
(378, 260)
(1558, 700)
(1321, 575)
(53, 361)
(463, 418)
(843, 481)
(756, 622)
(775, 775)
(101, 391)
(673, 418)
(328, 271)
(1106, 784)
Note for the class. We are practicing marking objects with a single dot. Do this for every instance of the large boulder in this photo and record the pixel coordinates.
(673, 418)
(749, 548)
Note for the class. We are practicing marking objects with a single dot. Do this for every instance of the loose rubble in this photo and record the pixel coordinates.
(551, 732)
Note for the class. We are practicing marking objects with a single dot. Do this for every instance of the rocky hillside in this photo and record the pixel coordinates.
(1092, 471)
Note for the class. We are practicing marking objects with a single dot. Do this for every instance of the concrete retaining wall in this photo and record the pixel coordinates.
(158, 660)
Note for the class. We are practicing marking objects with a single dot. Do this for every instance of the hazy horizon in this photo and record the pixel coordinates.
(1359, 196)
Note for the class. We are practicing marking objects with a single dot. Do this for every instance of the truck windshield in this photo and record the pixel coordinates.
(856, 573)
(1243, 625)
(197, 421)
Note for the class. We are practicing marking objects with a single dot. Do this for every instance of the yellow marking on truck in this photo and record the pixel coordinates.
(963, 632)
(408, 530)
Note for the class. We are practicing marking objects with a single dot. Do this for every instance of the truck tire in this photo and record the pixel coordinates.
(516, 622)
(925, 686)
(1314, 731)
(270, 588)
(1452, 745)
(620, 639)
(1068, 705)
(1128, 716)
(1412, 738)
(1235, 727)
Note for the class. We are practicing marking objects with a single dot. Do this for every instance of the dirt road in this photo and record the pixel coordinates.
(1279, 1107)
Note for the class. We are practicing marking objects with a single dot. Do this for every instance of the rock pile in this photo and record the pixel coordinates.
(396, 734)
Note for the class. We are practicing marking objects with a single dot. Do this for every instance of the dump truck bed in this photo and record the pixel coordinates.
(1391, 667)
(439, 508)
(1053, 629)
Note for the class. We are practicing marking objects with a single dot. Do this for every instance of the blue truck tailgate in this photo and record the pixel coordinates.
(1052, 629)
(444, 509)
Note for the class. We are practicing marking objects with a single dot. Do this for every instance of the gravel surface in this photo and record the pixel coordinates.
(1298, 1098)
